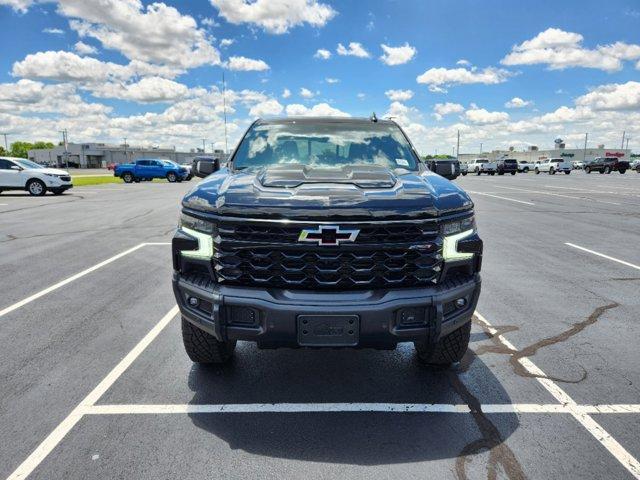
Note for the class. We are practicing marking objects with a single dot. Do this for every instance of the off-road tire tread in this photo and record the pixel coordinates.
(202, 347)
(447, 350)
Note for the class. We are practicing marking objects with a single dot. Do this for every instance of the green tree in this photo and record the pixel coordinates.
(3, 152)
(39, 145)
(20, 149)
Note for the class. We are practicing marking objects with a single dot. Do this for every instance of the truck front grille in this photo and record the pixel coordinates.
(384, 255)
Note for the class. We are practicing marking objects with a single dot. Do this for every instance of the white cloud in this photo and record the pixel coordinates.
(286, 93)
(20, 6)
(463, 62)
(53, 31)
(517, 102)
(355, 50)
(559, 50)
(157, 33)
(439, 78)
(614, 96)
(442, 109)
(323, 54)
(320, 110)
(361, 96)
(399, 95)
(331, 80)
(275, 16)
(480, 116)
(566, 115)
(84, 49)
(226, 42)
(306, 93)
(397, 55)
(147, 90)
(267, 108)
(246, 64)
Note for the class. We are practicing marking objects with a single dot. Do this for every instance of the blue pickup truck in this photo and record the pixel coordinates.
(150, 168)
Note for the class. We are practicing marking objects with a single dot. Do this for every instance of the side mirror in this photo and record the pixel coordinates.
(16, 167)
(203, 167)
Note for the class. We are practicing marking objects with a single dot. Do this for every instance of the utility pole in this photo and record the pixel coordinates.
(126, 157)
(224, 108)
(628, 142)
(6, 146)
(212, 149)
(584, 155)
(623, 135)
(458, 146)
(203, 147)
(66, 147)
(481, 147)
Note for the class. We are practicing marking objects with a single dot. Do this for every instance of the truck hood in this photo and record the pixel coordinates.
(302, 192)
(50, 171)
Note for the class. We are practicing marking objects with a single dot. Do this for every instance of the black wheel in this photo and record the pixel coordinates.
(477, 171)
(127, 177)
(513, 173)
(204, 348)
(492, 173)
(622, 171)
(36, 187)
(567, 173)
(587, 170)
(449, 349)
(552, 171)
(607, 170)
(171, 177)
(500, 173)
(464, 174)
(57, 191)
(600, 172)
(525, 170)
(537, 171)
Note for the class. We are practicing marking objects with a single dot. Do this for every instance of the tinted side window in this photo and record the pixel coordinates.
(144, 163)
(5, 164)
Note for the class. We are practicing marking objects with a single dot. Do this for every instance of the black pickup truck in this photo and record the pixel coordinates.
(325, 232)
(606, 165)
(507, 165)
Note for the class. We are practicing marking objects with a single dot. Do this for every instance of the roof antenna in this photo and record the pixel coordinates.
(373, 118)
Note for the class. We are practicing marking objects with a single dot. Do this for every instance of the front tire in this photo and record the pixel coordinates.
(622, 171)
(36, 187)
(449, 349)
(525, 170)
(552, 171)
(567, 173)
(202, 347)
(171, 177)
(513, 173)
(607, 170)
(537, 171)
(587, 170)
(127, 177)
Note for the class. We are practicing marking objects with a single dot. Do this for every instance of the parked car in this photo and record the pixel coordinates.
(446, 167)
(188, 166)
(148, 169)
(23, 174)
(482, 165)
(507, 165)
(554, 165)
(265, 265)
(525, 166)
(635, 165)
(464, 169)
(577, 165)
(606, 165)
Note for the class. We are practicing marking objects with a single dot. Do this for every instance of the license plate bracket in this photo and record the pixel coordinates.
(328, 330)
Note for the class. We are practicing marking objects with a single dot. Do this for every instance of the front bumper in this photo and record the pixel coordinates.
(270, 316)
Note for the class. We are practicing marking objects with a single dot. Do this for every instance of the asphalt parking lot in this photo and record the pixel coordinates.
(96, 384)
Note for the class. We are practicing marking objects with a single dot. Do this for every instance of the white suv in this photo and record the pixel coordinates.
(553, 165)
(23, 174)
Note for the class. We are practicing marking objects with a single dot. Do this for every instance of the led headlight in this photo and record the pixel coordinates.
(203, 232)
(454, 232)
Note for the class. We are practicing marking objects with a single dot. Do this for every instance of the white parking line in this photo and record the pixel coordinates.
(55, 437)
(540, 192)
(627, 460)
(138, 409)
(501, 198)
(613, 259)
(72, 278)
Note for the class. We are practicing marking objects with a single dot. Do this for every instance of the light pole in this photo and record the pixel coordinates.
(6, 146)
(203, 145)
(458, 146)
(584, 155)
(480, 147)
(126, 157)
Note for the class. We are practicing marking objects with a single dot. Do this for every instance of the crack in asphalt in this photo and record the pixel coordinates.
(11, 237)
(40, 205)
(499, 452)
(531, 350)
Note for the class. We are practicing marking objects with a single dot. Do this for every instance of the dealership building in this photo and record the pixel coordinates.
(99, 155)
(533, 154)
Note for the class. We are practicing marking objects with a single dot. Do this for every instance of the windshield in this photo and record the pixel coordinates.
(169, 163)
(28, 164)
(331, 144)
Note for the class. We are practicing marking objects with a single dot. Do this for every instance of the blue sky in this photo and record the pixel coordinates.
(503, 73)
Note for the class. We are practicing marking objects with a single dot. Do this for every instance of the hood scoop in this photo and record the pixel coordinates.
(291, 176)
